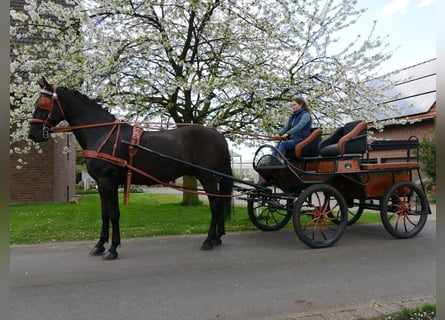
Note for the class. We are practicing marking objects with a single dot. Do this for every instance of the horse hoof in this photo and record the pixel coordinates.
(216, 242)
(97, 251)
(206, 246)
(110, 255)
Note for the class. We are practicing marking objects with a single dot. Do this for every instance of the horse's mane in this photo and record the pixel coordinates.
(92, 103)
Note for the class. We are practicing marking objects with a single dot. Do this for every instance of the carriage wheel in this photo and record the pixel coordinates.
(354, 213)
(320, 216)
(269, 213)
(404, 210)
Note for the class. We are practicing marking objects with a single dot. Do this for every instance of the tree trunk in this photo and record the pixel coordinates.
(190, 199)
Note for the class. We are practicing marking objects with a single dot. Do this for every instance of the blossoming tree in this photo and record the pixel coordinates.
(232, 64)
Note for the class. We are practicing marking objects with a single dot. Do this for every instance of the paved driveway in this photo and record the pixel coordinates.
(254, 275)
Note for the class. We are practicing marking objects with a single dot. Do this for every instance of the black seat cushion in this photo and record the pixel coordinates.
(344, 140)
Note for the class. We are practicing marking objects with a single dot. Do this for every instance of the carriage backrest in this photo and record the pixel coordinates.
(309, 146)
(349, 139)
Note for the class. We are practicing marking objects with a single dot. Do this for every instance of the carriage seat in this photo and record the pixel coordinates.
(349, 139)
(308, 147)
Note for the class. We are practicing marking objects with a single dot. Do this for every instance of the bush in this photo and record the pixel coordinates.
(427, 155)
(136, 189)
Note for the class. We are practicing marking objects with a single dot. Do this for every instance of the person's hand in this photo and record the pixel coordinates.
(285, 136)
(276, 136)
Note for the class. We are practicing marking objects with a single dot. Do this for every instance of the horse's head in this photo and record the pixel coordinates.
(47, 114)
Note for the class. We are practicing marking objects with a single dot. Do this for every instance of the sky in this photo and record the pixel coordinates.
(410, 27)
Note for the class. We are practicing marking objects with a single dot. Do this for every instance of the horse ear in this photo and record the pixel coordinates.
(43, 83)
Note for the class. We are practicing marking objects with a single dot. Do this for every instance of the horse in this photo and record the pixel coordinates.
(112, 161)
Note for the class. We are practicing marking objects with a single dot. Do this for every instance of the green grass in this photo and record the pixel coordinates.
(426, 312)
(369, 217)
(146, 215)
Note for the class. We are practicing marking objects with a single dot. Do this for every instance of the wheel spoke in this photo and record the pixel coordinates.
(320, 216)
(269, 213)
(404, 210)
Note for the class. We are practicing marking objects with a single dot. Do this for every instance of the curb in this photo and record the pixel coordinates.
(367, 311)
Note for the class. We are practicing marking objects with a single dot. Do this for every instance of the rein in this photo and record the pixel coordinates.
(84, 126)
(253, 136)
(47, 103)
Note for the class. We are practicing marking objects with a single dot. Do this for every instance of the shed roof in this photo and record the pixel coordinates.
(414, 92)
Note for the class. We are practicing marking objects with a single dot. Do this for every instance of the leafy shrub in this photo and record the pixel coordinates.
(427, 154)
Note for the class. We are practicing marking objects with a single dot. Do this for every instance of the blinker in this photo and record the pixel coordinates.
(45, 103)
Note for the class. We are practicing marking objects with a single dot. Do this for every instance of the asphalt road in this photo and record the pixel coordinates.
(254, 275)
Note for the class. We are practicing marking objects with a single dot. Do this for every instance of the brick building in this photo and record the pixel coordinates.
(48, 176)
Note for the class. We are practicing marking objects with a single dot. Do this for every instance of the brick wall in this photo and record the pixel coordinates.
(403, 132)
(421, 129)
(47, 177)
(32, 183)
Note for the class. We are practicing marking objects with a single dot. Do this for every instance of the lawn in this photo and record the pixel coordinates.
(147, 215)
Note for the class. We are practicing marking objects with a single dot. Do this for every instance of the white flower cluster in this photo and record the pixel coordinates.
(230, 64)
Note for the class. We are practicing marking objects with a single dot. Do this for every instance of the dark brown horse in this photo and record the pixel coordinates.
(100, 135)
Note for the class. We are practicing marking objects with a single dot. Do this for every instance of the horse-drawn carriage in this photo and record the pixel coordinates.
(324, 185)
(328, 183)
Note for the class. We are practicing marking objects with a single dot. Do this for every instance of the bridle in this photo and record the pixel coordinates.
(46, 102)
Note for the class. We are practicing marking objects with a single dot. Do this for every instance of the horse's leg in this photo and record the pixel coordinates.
(220, 231)
(116, 236)
(216, 229)
(212, 233)
(99, 248)
(112, 206)
(110, 212)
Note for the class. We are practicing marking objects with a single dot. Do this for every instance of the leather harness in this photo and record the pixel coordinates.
(132, 151)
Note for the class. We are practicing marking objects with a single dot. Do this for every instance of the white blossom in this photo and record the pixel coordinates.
(232, 64)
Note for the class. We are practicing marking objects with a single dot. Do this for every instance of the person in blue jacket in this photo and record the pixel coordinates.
(297, 128)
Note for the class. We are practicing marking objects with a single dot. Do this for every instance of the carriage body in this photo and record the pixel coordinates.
(352, 183)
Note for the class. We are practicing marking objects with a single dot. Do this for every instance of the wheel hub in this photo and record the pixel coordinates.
(274, 205)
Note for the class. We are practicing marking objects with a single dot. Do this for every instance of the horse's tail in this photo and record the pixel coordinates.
(225, 187)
